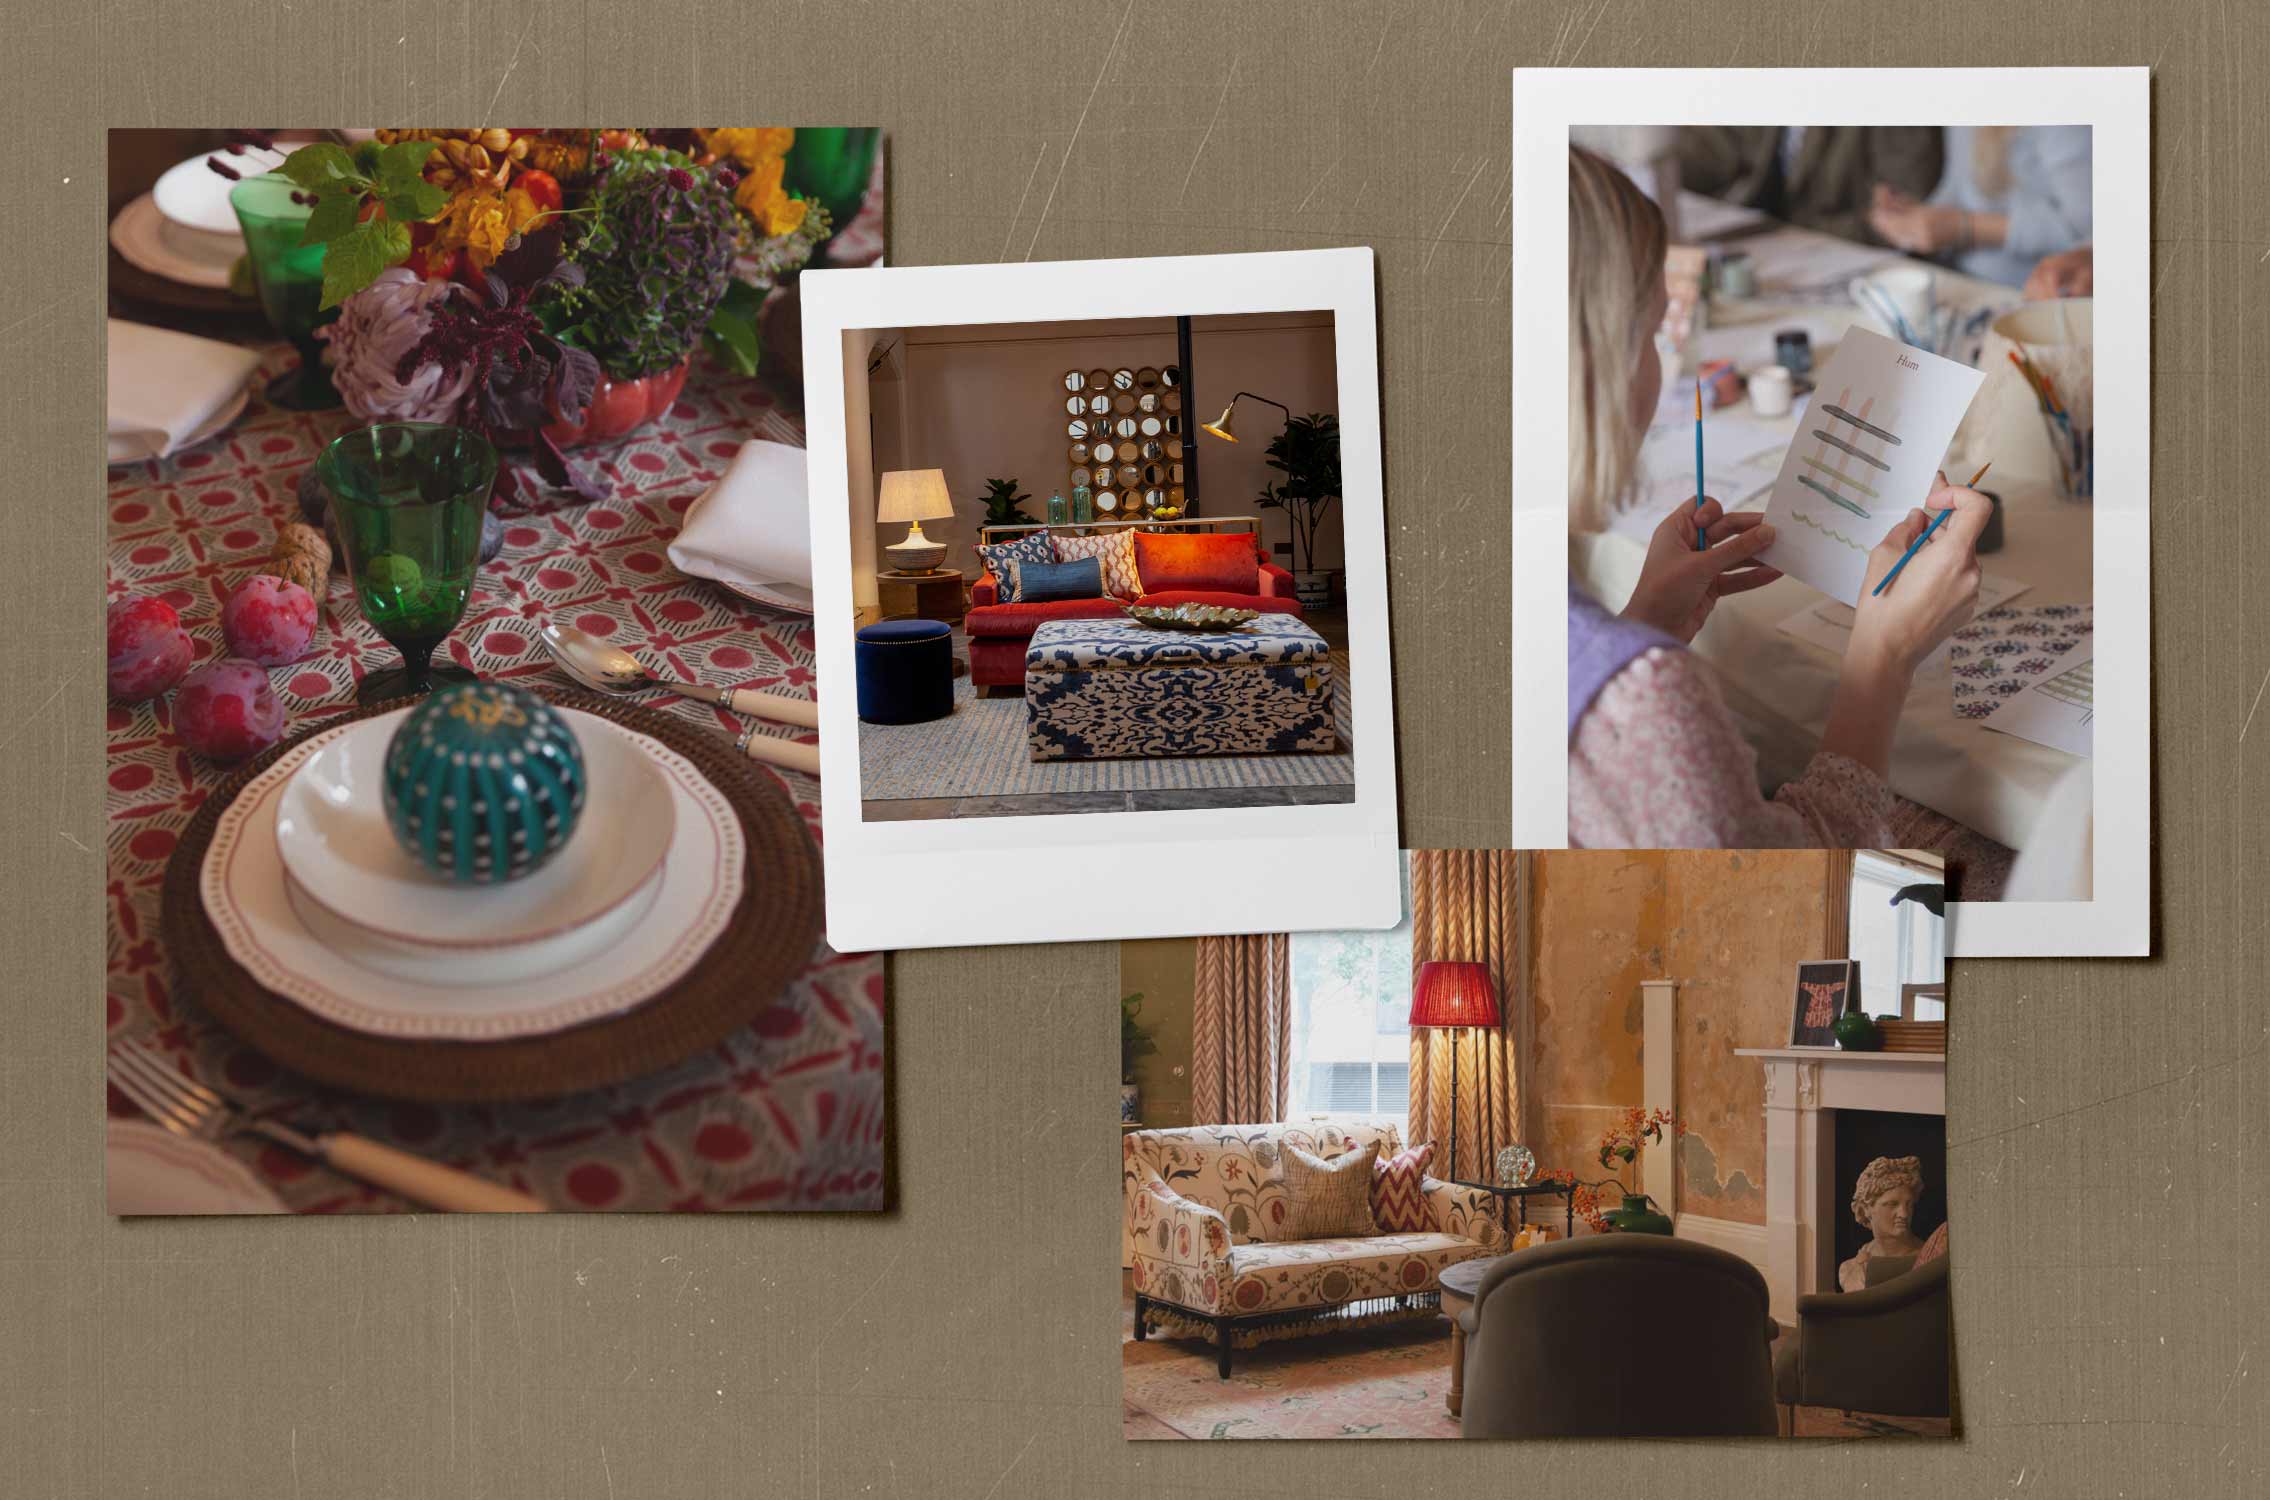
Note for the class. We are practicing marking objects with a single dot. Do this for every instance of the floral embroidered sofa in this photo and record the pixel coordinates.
(1201, 1204)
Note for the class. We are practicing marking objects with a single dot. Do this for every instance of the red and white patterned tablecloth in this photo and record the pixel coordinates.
(787, 1114)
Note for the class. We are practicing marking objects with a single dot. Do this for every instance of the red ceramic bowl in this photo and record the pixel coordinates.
(621, 406)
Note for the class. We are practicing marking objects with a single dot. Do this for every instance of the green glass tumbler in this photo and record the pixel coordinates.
(407, 500)
(289, 276)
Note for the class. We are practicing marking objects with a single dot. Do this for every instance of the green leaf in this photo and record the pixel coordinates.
(334, 215)
(402, 163)
(353, 260)
(735, 339)
(321, 166)
(414, 201)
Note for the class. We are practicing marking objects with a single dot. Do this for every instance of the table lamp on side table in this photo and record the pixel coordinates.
(1455, 995)
(914, 496)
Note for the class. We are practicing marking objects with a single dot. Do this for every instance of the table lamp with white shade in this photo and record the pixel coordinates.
(914, 496)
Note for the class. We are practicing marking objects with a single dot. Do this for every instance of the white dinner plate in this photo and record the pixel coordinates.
(146, 1170)
(139, 235)
(245, 892)
(135, 447)
(194, 197)
(332, 834)
(790, 598)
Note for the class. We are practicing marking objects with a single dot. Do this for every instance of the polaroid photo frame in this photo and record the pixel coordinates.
(2115, 102)
(1104, 875)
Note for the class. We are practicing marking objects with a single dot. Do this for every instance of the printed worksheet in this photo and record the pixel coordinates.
(1866, 454)
(2056, 709)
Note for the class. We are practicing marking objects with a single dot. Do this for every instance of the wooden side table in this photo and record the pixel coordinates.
(921, 596)
(1458, 1285)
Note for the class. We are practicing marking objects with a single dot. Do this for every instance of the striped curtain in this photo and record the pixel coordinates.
(1466, 906)
(1836, 929)
(1241, 1030)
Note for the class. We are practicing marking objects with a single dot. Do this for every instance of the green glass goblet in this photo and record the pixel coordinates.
(407, 500)
(289, 276)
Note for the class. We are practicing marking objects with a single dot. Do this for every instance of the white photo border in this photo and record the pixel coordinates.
(2116, 102)
(1105, 875)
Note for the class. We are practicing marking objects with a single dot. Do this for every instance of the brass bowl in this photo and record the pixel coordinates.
(1191, 616)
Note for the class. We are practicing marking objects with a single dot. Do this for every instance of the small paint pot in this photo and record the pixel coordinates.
(1737, 275)
(1793, 351)
(1990, 535)
(1772, 389)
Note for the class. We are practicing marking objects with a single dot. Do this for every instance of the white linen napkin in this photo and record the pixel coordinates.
(750, 527)
(165, 386)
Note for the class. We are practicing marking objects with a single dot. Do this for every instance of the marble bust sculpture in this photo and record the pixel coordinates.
(1883, 1201)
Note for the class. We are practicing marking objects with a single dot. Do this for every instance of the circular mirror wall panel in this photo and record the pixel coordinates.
(1123, 404)
(1125, 427)
(1099, 380)
(1153, 475)
(1079, 477)
(1171, 376)
(1127, 476)
(1106, 500)
(1076, 429)
(1079, 453)
(1153, 449)
(1148, 401)
(1123, 379)
(1174, 424)
(1153, 499)
(1104, 453)
(1147, 378)
(1172, 401)
(1174, 495)
(1174, 447)
(1152, 427)
(1174, 473)
(1074, 380)
(1098, 405)
(1075, 405)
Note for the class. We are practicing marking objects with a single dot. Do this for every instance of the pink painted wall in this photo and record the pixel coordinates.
(981, 401)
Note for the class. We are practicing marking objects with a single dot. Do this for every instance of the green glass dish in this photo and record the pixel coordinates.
(289, 277)
(1637, 1215)
(407, 499)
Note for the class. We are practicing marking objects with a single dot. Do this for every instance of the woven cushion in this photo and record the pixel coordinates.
(1328, 1199)
(1398, 1193)
(1033, 546)
(1222, 563)
(1041, 582)
(1115, 550)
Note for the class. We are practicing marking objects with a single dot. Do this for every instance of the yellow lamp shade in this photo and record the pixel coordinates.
(1220, 426)
(914, 495)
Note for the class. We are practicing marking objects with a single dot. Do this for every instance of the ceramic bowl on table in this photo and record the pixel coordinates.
(1191, 616)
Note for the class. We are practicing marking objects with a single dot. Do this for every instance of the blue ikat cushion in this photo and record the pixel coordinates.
(1032, 547)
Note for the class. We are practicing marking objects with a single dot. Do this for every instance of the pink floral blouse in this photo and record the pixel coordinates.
(1658, 762)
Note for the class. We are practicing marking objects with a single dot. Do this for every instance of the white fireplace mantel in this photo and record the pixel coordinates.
(1805, 1086)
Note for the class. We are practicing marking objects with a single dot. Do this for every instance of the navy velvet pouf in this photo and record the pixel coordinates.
(906, 671)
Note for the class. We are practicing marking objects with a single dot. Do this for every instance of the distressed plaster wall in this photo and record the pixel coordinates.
(1728, 928)
(1165, 970)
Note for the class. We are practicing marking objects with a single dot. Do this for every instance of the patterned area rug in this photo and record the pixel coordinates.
(980, 750)
(1380, 1383)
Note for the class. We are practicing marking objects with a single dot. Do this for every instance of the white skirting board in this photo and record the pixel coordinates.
(1730, 1235)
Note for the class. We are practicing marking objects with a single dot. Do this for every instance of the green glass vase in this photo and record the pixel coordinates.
(1855, 1031)
(407, 499)
(1636, 1215)
(832, 164)
(289, 278)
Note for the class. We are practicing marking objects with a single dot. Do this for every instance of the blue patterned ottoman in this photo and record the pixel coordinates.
(1103, 689)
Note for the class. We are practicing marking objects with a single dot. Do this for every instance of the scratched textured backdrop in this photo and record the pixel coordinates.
(2111, 1127)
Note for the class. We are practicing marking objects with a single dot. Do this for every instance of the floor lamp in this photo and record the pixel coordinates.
(1454, 995)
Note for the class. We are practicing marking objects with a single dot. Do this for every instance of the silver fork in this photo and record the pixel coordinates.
(189, 1109)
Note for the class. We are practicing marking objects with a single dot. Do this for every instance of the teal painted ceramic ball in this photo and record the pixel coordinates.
(484, 783)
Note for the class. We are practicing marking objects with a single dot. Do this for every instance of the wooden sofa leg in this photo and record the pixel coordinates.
(1140, 1332)
(1222, 1339)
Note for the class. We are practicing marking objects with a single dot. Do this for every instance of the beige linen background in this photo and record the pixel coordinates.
(2110, 1125)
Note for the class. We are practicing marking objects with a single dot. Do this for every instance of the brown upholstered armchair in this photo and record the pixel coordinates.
(1619, 1335)
(1881, 1349)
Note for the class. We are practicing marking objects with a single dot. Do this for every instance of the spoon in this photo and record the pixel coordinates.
(611, 669)
(786, 754)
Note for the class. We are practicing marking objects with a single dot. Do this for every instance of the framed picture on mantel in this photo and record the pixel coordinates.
(1825, 986)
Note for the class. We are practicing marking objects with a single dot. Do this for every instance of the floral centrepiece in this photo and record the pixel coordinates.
(620, 252)
(1620, 1146)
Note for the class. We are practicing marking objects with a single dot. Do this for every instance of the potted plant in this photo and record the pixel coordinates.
(1134, 1042)
(1620, 1146)
(1002, 501)
(1307, 453)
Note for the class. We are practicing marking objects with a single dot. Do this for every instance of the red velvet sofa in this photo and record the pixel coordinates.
(1174, 568)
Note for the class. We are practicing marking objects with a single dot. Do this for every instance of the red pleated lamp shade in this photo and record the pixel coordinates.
(1453, 994)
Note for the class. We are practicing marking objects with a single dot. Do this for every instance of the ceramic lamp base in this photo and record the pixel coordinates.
(911, 556)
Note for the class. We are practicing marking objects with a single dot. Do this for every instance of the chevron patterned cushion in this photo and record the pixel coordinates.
(1327, 1199)
(1115, 550)
(1398, 1196)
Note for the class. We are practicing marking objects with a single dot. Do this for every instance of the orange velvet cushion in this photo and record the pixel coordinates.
(1223, 563)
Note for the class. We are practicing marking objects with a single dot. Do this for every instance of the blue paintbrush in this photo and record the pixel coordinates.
(1917, 545)
(1700, 544)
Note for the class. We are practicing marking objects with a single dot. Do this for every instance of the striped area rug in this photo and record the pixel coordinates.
(980, 750)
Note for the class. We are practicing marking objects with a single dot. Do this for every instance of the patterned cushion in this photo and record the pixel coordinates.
(1233, 1169)
(1222, 562)
(1115, 550)
(1328, 1199)
(1035, 583)
(1325, 1273)
(1398, 1197)
(1033, 546)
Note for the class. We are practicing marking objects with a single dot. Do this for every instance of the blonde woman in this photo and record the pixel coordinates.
(2011, 199)
(1655, 758)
